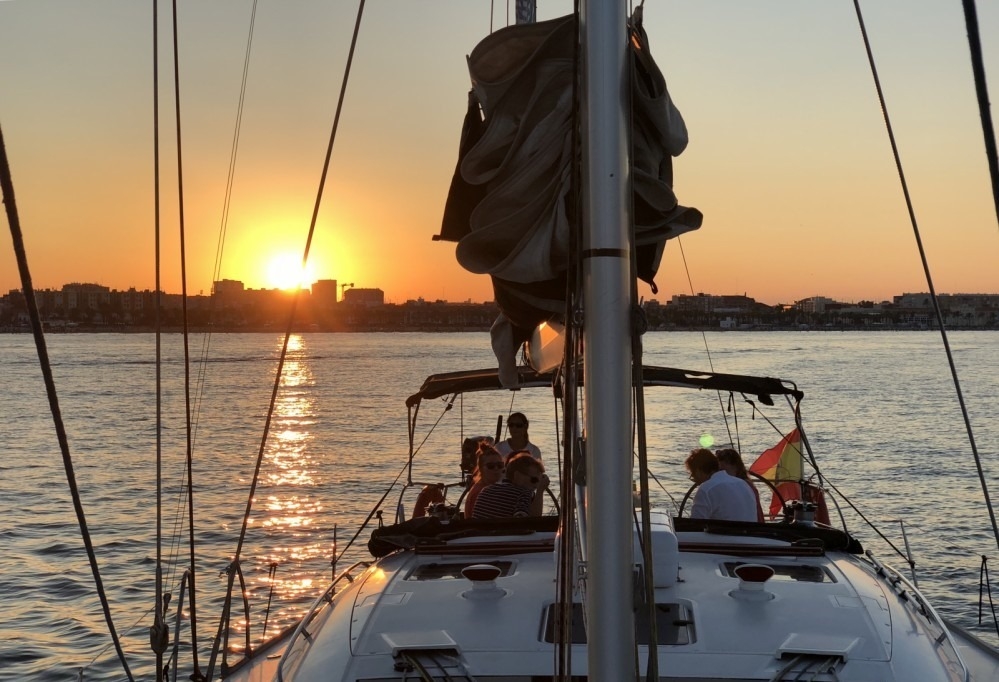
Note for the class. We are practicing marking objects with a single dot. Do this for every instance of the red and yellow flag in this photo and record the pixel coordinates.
(782, 462)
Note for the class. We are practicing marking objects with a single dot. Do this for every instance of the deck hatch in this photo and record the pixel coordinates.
(674, 622)
(801, 573)
(452, 571)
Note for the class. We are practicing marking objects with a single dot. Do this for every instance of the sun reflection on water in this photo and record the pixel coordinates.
(290, 546)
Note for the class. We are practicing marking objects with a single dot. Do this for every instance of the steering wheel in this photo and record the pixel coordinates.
(458, 508)
(785, 510)
(770, 484)
(683, 502)
(558, 510)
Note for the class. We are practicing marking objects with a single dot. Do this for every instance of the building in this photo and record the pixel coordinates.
(365, 297)
(816, 305)
(324, 294)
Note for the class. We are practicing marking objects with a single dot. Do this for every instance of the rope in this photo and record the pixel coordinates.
(374, 511)
(638, 327)
(189, 450)
(288, 328)
(925, 264)
(704, 337)
(193, 413)
(159, 635)
(124, 634)
(7, 189)
(982, 91)
(568, 542)
(983, 582)
(223, 226)
(271, 579)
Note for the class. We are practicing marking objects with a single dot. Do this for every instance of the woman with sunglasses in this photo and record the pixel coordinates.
(518, 441)
(521, 493)
(488, 470)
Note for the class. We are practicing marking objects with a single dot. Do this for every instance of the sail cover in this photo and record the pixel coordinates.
(509, 206)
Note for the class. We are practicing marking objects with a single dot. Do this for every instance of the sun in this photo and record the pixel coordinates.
(285, 271)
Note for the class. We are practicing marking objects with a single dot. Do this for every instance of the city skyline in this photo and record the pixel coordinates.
(661, 297)
(788, 158)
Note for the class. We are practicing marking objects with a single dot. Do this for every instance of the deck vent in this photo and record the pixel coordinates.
(752, 580)
(801, 573)
(453, 570)
(483, 579)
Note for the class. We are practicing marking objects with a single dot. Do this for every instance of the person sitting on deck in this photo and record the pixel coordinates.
(521, 493)
(470, 452)
(719, 495)
(519, 441)
(730, 461)
(488, 470)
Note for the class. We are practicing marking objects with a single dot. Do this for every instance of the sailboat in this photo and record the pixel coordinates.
(609, 588)
(604, 588)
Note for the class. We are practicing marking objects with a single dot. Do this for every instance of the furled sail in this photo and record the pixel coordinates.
(509, 206)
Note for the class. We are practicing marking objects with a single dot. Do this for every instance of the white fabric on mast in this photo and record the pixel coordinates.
(509, 206)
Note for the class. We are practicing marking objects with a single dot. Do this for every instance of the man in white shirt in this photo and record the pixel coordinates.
(719, 495)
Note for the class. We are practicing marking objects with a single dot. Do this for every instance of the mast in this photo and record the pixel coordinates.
(606, 340)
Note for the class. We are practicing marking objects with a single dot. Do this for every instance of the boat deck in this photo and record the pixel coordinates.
(820, 615)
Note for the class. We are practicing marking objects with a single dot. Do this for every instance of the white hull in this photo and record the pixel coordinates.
(832, 611)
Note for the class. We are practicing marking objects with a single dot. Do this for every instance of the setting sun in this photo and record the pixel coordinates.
(285, 271)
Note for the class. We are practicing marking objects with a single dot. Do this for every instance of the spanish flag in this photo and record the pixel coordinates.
(782, 462)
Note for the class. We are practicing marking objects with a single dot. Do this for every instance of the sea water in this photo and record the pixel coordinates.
(880, 414)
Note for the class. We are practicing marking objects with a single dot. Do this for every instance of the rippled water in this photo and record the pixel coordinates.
(880, 413)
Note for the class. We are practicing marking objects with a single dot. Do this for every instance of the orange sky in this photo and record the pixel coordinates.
(788, 158)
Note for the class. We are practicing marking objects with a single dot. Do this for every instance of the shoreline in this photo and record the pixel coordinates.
(460, 330)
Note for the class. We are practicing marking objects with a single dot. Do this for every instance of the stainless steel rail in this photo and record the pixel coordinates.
(325, 599)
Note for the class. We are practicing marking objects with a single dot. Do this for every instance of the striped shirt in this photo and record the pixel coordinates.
(502, 500)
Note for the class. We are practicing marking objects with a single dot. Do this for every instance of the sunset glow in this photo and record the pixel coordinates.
(285, 271)
(787, 159)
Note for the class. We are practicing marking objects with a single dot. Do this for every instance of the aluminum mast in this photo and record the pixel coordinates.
(606, 341)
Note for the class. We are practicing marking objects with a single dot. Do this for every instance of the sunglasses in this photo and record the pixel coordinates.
(495, 465)
(517, 425)
(535, 479)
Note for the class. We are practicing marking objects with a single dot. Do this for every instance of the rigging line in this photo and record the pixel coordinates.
(926, 270)
(569, 437)
(870, 524)
(7, 192)
(175, 538)
(385, 495)
(224, 223)
(982, 91)
(125, 633)
(763, 415)
(294, 303)
(159, 633)
(189, 454)
(638, 325)
(735, 420)
(509, 411)
(984, 573)
(704, 337)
